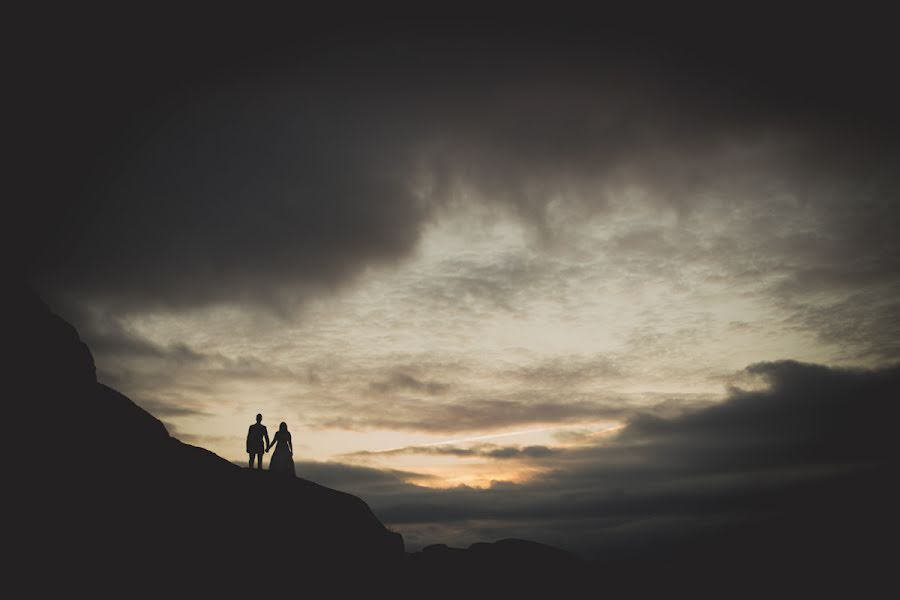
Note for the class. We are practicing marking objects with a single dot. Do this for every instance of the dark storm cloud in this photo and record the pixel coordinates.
(814, 438)
(240, 205)
(809, 415)
(252, 168)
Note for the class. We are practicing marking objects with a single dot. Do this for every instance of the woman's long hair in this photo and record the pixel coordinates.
(283, 427)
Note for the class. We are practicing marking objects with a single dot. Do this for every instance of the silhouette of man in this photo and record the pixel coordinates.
(255, 437)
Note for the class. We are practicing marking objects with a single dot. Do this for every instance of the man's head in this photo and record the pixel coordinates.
(259, 418)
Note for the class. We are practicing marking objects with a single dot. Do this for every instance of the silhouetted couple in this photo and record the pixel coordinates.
(283, 459)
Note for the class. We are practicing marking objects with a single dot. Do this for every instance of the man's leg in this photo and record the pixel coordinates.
(259, 460)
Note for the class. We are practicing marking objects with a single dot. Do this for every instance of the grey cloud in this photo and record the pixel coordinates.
(477, 451)
(362, 480)
(466, 415)
(164, 410)
(865, 325)
(464, 285)
(202, 440)
(399, 381)
(570, 370)
(115, 344)
(107, 336)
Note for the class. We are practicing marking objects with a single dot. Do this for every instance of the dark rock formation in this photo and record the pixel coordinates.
(107, 492)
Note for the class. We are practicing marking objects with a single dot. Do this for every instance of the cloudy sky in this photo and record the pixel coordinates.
(502, 280)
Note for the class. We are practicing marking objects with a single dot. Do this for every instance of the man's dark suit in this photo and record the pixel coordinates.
(255, 445)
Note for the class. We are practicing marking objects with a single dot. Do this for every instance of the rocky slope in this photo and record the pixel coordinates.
(106, 491)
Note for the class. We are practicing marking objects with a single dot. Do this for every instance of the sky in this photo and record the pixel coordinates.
(580, 283)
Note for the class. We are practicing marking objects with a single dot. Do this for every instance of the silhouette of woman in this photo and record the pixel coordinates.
(283, 458)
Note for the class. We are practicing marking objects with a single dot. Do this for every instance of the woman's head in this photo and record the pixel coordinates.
(282, 427)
